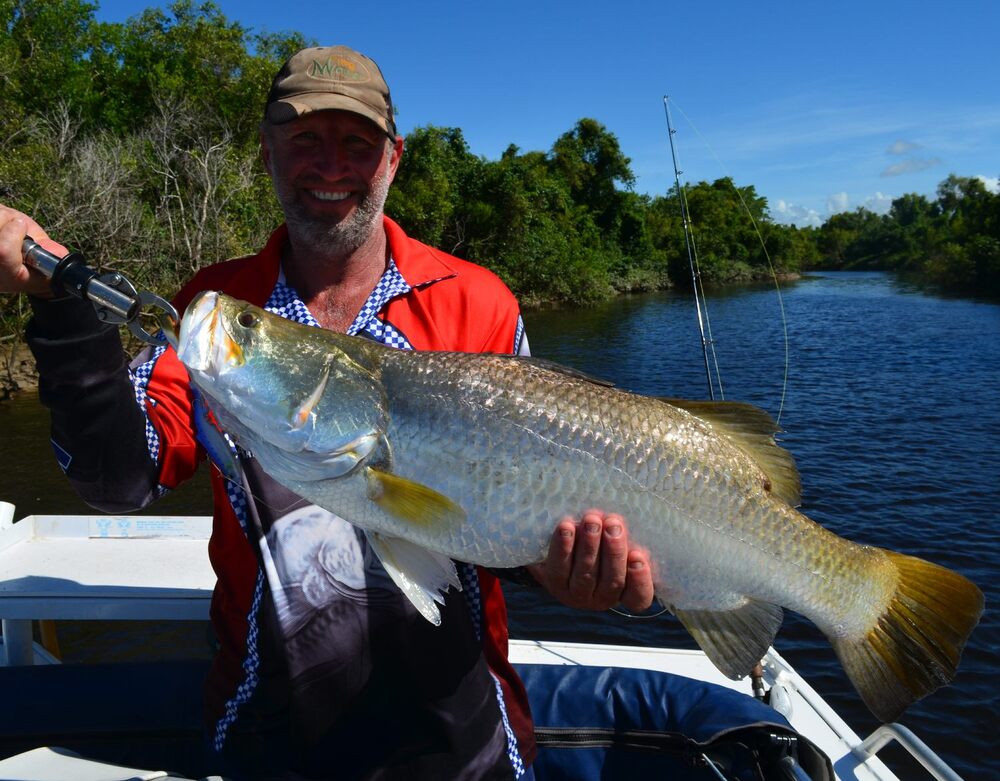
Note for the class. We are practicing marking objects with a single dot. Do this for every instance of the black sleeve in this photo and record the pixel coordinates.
(98, 428)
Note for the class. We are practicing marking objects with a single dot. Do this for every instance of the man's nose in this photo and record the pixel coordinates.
(333, 160)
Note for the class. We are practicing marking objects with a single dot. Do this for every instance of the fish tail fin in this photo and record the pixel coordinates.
(915, 645)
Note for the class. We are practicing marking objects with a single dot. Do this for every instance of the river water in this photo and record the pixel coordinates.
(890, 408)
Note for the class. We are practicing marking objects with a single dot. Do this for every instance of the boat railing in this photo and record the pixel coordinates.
(865, 749)
(919, 750)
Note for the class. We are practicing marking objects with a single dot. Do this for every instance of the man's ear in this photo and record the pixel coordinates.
(265, 150)
(397, 155)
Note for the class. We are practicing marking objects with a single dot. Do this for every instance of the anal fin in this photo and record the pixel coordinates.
(422, 575)
(734, 640)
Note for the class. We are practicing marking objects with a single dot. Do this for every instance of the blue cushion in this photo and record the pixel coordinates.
(609, 722)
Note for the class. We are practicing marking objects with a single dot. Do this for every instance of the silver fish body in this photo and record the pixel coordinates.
(443, 456)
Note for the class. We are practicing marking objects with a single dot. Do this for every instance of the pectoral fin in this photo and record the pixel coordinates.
(422, 575)
(735, 640)
(413, 503)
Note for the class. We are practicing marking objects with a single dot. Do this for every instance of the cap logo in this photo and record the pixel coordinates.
(338, 69)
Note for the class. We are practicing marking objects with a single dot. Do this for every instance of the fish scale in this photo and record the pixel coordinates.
(532, 462)
(442, 456)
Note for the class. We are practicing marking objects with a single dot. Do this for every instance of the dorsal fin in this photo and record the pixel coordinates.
(752, 430)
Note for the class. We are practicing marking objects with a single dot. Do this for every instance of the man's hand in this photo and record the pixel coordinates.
(15, 277)
(591, 565)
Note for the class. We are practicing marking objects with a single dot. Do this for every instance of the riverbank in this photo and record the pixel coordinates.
(17, 370)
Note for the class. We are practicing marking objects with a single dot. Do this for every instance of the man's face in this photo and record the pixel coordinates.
(331, 172)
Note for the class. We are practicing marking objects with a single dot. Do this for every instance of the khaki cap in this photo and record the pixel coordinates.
(330, 77)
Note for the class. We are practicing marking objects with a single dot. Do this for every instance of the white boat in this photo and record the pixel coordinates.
(99, 567)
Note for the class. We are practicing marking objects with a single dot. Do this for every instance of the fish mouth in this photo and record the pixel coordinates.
(204, 343)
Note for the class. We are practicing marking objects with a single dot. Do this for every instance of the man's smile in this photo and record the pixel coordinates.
(326, 195)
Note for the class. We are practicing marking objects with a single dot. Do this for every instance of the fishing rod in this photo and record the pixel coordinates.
(707, 342)
(767, 256)
(114, 297)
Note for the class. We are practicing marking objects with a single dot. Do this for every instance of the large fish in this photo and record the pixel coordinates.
(442, 456)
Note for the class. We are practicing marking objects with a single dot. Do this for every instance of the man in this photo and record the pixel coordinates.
(324, 668)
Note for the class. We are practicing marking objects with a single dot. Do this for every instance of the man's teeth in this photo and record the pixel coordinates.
(328, 196)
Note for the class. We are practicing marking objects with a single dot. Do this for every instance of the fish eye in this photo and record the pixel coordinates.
(247, 319)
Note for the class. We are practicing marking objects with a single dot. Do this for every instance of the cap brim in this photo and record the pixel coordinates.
(293, 107)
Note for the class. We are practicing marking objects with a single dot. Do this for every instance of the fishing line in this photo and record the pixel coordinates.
(767, 256)
(239, 483)
(641, 616)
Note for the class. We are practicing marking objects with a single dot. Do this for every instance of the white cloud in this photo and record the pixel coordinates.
(910, 166)
(878, 203)
(800, 216)
(837, 203)
(992, 183)
(902, 147)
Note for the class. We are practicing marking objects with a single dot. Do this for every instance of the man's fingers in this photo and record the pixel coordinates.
(593, 565)
(553, 573)
(638, 594)
(14, 275)
(586, 562)
(560, 559)
(613, 562)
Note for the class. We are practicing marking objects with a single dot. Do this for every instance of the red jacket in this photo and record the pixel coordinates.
(452, 305)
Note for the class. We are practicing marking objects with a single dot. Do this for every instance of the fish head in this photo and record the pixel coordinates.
(286, 392)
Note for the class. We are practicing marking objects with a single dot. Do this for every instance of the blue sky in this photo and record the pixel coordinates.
(823, 107)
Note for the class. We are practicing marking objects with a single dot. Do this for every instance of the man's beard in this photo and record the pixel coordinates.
(330, 235)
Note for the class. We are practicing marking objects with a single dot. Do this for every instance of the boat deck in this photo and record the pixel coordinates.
(90, 567)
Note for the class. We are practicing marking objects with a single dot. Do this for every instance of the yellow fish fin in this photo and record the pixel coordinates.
(422, 575)
(915, 645)
(734, 640)
(752, 430)
(411, 502)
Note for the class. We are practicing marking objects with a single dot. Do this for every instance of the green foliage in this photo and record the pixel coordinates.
(525, 215)
(44, 55)
(733, 236)
(952, 242)
(434, 175)
(137, 144)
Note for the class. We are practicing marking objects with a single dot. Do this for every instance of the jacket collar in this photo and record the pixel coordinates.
(419, 264)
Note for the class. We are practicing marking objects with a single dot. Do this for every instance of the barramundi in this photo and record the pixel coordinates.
(476, 457)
